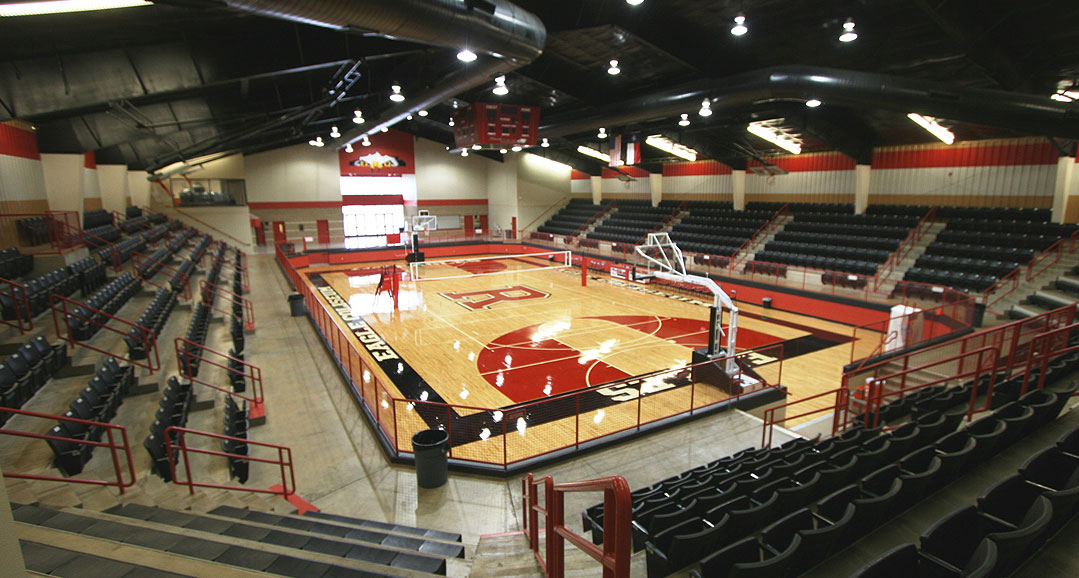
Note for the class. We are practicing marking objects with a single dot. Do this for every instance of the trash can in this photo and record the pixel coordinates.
(431, 448)
(296, 305)
(767, 302)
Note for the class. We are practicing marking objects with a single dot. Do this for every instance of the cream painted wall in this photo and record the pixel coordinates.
(112, 182)
(231, 167)
(63, 181)
(542, 186)
(139, 188)
(502, 192)
(235, 221)
(293, 174)
(440, 175)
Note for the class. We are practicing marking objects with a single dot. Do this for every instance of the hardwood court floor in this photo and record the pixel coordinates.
(505, 331)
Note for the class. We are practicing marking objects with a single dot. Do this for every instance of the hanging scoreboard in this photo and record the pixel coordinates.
(493, 125)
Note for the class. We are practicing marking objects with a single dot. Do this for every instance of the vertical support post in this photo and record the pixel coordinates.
(584, 272)
(555, 520)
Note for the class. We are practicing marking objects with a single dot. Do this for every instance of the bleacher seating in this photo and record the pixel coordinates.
(13, 264)
(26, 371)
(197, 329)
(149, 267)
(154, 234)
(109, 299)
(236, 426)
(91, 274)
(102, 236)
(573, 217)
(172, 411)
(96, 218)
(134, 225)
(121, 252)
(153, 318)
(33, 230)
(98, 402)
(60, 281)
(132, 212)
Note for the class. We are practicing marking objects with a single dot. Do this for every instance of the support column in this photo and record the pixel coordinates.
(655, 181)
(862, 174)
(1063, 189)
(597, 189)
(738, 184)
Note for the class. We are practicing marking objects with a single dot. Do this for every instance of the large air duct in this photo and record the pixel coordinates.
(1021, 112)
(505, 35)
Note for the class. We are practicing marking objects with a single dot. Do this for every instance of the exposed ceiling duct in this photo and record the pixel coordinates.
(506, 35)
(1020, 112)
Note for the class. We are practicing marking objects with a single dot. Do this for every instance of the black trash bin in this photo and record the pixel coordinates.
(296, 305)
(766, 302)
(431, 448)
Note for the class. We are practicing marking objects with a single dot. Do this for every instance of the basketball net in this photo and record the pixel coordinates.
(663, 259)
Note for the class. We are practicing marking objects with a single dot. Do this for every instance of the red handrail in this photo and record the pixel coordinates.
(111, 444)
(1054, 251)
(251, 373)
(614, 556)
(758, 236)
(241, 268)
(59, 303)
(206, 289)
(138, 258)
(1042, 348)
(839, 409)
(284, 461)
(17, 292)
(904, 247)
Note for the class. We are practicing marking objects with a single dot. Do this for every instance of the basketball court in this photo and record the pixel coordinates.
(517, 342)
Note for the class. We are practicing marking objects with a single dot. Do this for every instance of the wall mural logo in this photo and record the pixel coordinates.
(377, 161)
(485, 299)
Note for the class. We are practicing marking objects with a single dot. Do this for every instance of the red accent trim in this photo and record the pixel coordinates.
(16, 142)
(302, 505)
(577, 175)
(695, 169)
(323, 230)
(296, 205)
(635, 172)
(89, 160)
(811, 162)
(967, 156)
(450, 202)
(353, 200)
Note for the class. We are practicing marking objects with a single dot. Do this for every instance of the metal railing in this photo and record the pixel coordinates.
(759, 236)
(179, 446)
(113, 446)
(1043, 347)
(1039, 264)
(838, 408)
(614, 555)
(904, 248)
(189, 352)
(138, 259)
(62, 317)
(57, 239)
(208, 290)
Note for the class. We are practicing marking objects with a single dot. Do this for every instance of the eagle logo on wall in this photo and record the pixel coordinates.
(377, 161)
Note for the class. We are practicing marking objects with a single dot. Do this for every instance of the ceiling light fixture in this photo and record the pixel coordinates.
(516, 148)
(476, 147)
(813, 103)
(634, 2)
(591, 152)
(503, 151)
(849, 35)
(500, 88)
(768, 131)
(1069, 94)
(739, 27)
(397, 96)
(316, 142)
(422, 113)
(466, 55)
(613, 70)
(669, 146)
(706, 108)
(334, 133)
(464, 153)
(366, 142)
(348, 148)
(451, 122)
(409, 117)
(930, 124)
(358, 119)
(384, 129)
(66, 6)
(544, 143)
(602, 133)
(684, 121)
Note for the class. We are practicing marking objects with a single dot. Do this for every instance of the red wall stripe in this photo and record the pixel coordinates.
(296, 205)
(89, 160)
(695, 169)
(833, 161)
(16, 142)
(450, 202)
(967, 156)
(579, 175)
(635, 172)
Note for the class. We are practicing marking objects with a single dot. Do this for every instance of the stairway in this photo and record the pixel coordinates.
(1038, 296)
(508, 556)
(911, 257)
(749, 254)
(138, 540)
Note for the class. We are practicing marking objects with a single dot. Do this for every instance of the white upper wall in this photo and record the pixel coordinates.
(541, 187)
(63, 181)
(293, 174)
(442, 176)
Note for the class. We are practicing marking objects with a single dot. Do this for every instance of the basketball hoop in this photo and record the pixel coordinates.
(424, 223)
